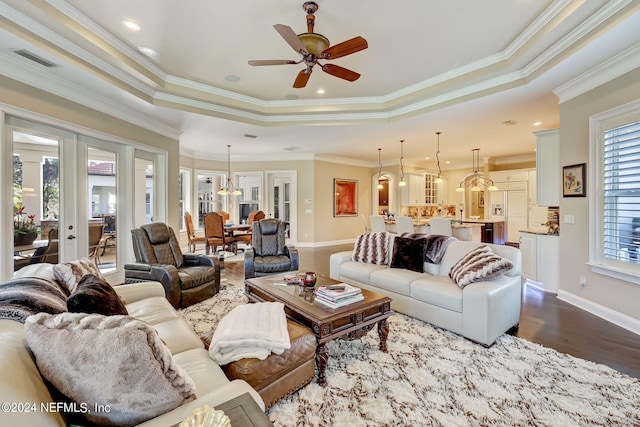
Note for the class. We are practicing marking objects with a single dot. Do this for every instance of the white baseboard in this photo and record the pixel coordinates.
(619, 319)
(322, 244)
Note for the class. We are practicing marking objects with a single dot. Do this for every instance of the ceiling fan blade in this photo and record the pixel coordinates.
(271, 62)
(290, 37)
(341, 72)
(348, 47)
(302, 79)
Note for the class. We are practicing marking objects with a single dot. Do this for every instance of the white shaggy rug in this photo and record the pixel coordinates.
(431, 377)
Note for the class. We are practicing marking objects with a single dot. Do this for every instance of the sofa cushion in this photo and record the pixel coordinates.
(396, 280)
(95, 295)
(438, 291)
(194, 276)
(70, 273)
(409, 253)
(358, 271)
(478, 265)
(108, 360)
(371, 248)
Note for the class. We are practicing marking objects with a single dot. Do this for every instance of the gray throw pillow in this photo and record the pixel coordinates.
(117, 362)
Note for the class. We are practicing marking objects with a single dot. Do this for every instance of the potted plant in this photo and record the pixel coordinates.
(25, 230)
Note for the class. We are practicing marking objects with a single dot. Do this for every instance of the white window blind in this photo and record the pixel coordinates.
(621, 193)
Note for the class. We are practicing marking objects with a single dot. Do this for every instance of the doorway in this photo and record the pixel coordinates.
(281, 201)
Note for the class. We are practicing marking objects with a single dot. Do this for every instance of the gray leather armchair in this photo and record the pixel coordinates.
(268, 253)
(187, 278)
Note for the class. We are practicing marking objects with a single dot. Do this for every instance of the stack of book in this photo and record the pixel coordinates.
(339, 295)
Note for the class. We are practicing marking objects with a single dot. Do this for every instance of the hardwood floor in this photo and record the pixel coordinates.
(544, 319)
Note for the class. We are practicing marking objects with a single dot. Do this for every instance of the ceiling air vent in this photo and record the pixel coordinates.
(35, 58)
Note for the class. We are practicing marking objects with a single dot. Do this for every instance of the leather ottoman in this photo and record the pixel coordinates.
(279, 375)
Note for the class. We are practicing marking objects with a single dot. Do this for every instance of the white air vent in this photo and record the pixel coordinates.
(248, 135)
(33, 57)
(291, 148)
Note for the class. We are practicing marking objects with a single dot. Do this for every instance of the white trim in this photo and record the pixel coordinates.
(619, 319)
(325, 243)
(599, 75)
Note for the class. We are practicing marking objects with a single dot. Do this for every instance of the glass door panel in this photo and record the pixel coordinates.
(207, 186)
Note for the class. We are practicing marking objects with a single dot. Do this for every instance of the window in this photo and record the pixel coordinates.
(615, 211)
(184, 192)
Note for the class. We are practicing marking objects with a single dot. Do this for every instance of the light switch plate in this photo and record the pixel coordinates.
(569, 219)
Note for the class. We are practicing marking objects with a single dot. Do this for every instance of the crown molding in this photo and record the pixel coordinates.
(599, 75)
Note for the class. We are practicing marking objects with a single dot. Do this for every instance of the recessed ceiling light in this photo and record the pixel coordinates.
(133, 26)
(537, 123)
(320, 91)
(427, 158)
(232, 78)
(147, 51)
(291, 96)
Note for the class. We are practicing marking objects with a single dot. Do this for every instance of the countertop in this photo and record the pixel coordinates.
(483, 220)
(540, 232)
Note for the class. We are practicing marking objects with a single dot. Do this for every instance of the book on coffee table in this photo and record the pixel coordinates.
(339, 303)
(338, 295)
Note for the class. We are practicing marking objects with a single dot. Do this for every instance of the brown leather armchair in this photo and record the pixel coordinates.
(268, 253)
(187, 278)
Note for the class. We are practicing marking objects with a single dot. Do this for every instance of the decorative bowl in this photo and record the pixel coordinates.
(206, 416)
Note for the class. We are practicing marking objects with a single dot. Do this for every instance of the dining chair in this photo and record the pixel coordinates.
(365, 225)
(377, 223)
(225, 216)
(215, 234)
(191, 233)
(96, 232)
(440, 226)
(404, 224)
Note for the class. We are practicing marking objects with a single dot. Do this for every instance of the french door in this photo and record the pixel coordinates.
(282, 203)
(75, 183)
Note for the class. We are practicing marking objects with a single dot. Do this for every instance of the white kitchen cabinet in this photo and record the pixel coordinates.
(540, 260)
(548, 171)
(413, 194)
(517, 212)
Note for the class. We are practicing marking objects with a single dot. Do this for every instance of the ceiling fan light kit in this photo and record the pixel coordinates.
(313, 46)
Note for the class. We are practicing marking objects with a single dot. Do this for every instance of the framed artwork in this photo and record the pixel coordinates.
(574, 182)
(345, 200)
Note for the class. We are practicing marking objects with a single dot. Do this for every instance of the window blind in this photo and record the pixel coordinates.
(621, 193)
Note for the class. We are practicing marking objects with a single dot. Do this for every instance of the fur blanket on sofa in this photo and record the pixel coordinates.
(22, 297)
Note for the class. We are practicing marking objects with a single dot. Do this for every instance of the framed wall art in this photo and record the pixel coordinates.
(345, 201)
(574, 182)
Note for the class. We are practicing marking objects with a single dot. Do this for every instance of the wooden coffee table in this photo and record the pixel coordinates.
(349, 322)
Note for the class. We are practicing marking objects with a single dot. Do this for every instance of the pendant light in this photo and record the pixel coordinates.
(475, 181)
(402, 183)
(230, 188)
(380, 186)
(438, 179)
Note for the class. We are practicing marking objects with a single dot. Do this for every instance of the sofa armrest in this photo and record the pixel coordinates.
(225, 393)
(132, 292)
(166, 274)
(292, 253)
(335, 260)
(490, 308)
(249, 270)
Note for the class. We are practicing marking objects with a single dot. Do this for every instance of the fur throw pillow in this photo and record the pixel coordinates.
(108, 360)
(371, 248)
(95, 295)
(409, 253)
(478, 265)
(70, 273)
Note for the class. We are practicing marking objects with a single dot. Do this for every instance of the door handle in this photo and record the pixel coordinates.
(71, 237)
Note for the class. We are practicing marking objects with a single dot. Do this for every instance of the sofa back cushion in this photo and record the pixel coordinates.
(372, 248)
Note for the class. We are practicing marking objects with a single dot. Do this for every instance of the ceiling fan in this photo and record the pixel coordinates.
(313, 46)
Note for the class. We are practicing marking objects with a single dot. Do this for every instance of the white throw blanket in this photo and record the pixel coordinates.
(250, 330)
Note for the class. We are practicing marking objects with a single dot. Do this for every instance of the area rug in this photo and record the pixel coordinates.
(432, 377)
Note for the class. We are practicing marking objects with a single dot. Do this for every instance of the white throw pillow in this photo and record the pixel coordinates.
(70, 273)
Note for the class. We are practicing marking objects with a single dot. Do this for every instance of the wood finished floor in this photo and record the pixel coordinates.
(544, 319)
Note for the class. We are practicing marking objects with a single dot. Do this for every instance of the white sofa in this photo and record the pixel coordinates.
(480, 311)
(21, 382)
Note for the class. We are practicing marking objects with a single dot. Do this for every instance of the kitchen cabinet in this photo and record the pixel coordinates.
(548, 170)
(413, 194)
(540, 260)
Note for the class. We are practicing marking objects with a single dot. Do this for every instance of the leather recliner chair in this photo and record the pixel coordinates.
(186, 278)
(268, 253)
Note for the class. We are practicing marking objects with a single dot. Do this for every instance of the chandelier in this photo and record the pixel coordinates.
(230, 188)
(475, 181)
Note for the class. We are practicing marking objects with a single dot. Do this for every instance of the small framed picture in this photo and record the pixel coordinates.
(574, 182)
